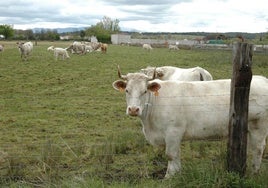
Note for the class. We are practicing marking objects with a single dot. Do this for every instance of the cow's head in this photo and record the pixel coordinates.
(20, 44)
(137, 87)
(158, 72)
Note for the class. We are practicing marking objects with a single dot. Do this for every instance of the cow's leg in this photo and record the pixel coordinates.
(173, 140)
(55, 56)
(257, 152)
(257, 142)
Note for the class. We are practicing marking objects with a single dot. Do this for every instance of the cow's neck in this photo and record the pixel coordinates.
(147, 107)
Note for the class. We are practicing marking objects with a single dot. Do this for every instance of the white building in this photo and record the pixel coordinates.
(120, 39)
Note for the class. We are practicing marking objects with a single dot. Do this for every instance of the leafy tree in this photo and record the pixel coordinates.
(29, 34)
(82, 34)
(103, 29)
(7, 31)
(47, 34)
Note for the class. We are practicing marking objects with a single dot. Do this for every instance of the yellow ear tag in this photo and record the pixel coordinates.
(121, 89)
(156, 93)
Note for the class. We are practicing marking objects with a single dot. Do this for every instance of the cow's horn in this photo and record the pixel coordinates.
(119, 73)
(154, 75)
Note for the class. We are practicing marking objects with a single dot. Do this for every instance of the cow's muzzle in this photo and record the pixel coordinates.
(133, 110)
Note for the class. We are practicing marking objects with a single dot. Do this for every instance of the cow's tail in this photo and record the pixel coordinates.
(201, 77)
(204, 74)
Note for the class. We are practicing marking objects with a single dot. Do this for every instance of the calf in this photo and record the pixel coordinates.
(147, 47)
(59, 52)
(173, 47)
(104, 47)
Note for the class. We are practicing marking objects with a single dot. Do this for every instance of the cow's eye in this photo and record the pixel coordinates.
(145, 91)
(126, 91)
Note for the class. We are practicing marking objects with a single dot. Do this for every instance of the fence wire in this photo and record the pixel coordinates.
(55, 152)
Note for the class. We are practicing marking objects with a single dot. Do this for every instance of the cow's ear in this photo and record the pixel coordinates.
(154, 86)
(119, 85)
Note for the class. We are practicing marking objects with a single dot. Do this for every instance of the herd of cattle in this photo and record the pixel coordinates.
(175, 104)
(26, 48)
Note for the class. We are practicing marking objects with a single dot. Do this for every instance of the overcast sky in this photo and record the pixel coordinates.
(140, 15)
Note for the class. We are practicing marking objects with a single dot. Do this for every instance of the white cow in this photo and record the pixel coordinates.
(147, 47)
(89, 48)
(59, 52)
(77, 48)
(175, 73)
(92, 46)
(96, 46)
(173, 47)
(174, 110)
(50, 48)
(25, 49)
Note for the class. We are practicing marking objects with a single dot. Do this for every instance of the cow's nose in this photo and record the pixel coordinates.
(133, 111)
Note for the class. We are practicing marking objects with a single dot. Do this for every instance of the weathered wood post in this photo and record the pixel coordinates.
(238, 114)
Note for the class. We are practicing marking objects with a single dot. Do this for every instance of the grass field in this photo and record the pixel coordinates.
(63, 125)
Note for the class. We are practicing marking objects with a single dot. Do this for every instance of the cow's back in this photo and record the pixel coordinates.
(201, 92)
(188, 74)
(28, 45)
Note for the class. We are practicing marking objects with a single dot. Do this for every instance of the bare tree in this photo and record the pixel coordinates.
(110, 25)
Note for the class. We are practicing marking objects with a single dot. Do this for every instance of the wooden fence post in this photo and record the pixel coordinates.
(238, 114)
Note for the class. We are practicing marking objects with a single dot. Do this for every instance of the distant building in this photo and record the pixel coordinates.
(125, 39)
(120, 38)
(66, 37)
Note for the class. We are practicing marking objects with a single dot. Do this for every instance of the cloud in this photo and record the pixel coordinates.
(142, 15)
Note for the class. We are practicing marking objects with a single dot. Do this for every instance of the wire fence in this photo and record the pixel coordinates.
(37, 151)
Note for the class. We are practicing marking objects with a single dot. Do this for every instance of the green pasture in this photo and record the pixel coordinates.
(63, 125)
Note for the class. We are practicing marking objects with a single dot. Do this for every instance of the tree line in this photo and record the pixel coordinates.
(102, 30)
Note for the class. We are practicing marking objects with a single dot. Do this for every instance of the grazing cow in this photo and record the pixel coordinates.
(173, 47)
(96, 46)
(175, 73)
(147, 47)
(25, 49)
(77, 48)
(59, 52)
(1, 48)
(50, 48)
(104, 47)
(174, 110)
